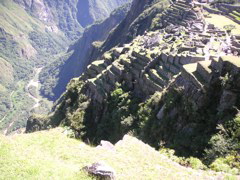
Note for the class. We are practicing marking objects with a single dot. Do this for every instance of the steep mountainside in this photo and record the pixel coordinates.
(175, 85)
(56, 76)
(24, 40)
(137, 21)
(97, 10)
(71, 16)
(33, 34)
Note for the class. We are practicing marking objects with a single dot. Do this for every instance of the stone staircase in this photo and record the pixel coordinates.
(198, 73)
(179, 14)
(105, 81)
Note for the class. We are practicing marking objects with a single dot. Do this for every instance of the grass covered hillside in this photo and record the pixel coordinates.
(52, 155)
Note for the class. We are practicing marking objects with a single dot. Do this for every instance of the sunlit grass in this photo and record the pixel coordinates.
(221, 21)
(52, 155)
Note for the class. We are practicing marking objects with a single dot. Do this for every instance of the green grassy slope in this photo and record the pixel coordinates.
(52, 155)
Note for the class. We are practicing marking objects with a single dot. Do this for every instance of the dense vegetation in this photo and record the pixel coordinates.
(35, 34)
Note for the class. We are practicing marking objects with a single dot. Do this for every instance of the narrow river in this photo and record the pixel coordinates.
(34, 82)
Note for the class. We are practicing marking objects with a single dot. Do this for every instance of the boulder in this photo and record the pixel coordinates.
(106, 145)
(101, 171)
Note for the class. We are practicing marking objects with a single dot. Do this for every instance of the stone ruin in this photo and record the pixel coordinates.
(188, 47)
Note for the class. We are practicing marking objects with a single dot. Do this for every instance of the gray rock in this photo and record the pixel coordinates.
(101, 171)
(228, 100)
(160, 114)
(164, 57)
(106, 145)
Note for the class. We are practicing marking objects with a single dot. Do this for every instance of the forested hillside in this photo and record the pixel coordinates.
(33, 34)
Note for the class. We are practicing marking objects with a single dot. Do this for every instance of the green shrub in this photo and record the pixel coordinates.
(195, 163)
(222, 165)
(192, 162)
(170, 154)
(223, 152)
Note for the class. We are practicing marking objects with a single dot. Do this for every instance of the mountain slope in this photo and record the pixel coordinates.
(98, 10)
(24, 42)
(72, 16)
(55, 77)
(137, 21)
(52, 155)
(34, 34)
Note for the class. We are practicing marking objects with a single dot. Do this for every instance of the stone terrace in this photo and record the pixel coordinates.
(188, 46)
